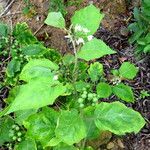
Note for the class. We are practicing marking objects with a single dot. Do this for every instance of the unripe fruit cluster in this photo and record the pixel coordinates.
(15, 133)
(9, 146)
(91, 98)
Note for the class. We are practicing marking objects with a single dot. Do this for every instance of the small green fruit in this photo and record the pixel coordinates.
(93, 104)
(81, 105)
(85, 92)
(80, 100)
(11, 134)
(95, 99)
(17, 128)
(19, 139)
(94, 95)
(84, 89)
(19, 133)
(16, 57)
(21, 55)
(14, 138)
(13, 46)
(13, 126)
(90, 95)
(83, 96)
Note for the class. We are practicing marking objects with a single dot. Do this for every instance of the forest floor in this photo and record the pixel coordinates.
(118, 15)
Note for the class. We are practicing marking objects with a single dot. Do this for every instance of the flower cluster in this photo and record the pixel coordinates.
(87, 98)
(79, 28)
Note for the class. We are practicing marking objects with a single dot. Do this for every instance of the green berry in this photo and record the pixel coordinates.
(85, 92)
(94, 95)
(26, 57)
(80, 100)
(13, 46)
(83, 96)
(21, 55)
(95, 99)
(16, 57)
(15, 50)
(11, 134)
(93, 104)
(81, 105)
(5, 52)
(90, 95)
(84, 89)
(13, 126)
(17, 128)
(19, 139)
(19, 133)
(88, 86)
(14, 138)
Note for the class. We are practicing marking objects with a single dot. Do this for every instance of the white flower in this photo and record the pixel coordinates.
(67, 36)
(85, 30)
(78, 28)
(55, 77)
(80, 40)
(90, 37)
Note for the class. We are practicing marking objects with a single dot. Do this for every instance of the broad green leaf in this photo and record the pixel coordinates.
(124, 92)
(5, 125)
(34, 50)
(12, 94)
(36, 94)
(128, 70)
(70, 127)
(23, 34)
(13, 67)
(41, 126)
(3, 30)
(94, 49)
(80, 85)
(103, 90)
(68, 59)
(91, 129)
(147, 49)
(117, 118)
(38, 68)
(63, 146)
(88, 18)
(54, 142)
(22, 115)
(82, 69)
(135, 36)
(95, 71)
(55, 19)
(27, 144)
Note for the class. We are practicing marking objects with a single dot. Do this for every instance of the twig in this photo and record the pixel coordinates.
(6, 9)
(38, 29)
(10, 14)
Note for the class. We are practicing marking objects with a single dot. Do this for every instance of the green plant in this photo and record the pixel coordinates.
(58, 6)
(144, 94)
(59, 104)
(61, 5)
(140, 28)
(28, 9)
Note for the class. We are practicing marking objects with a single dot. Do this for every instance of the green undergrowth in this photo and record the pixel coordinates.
(57, 101)
(141, 28)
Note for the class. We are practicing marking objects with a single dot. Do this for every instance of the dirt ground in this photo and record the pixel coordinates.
(118, 14)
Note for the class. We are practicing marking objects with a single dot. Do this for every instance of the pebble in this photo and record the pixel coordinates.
(110, 145)
(120, 144)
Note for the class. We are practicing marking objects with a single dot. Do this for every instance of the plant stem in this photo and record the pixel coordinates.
(75, 54)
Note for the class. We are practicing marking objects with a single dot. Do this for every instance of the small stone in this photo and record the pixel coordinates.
(110, 145)
(120, 144)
